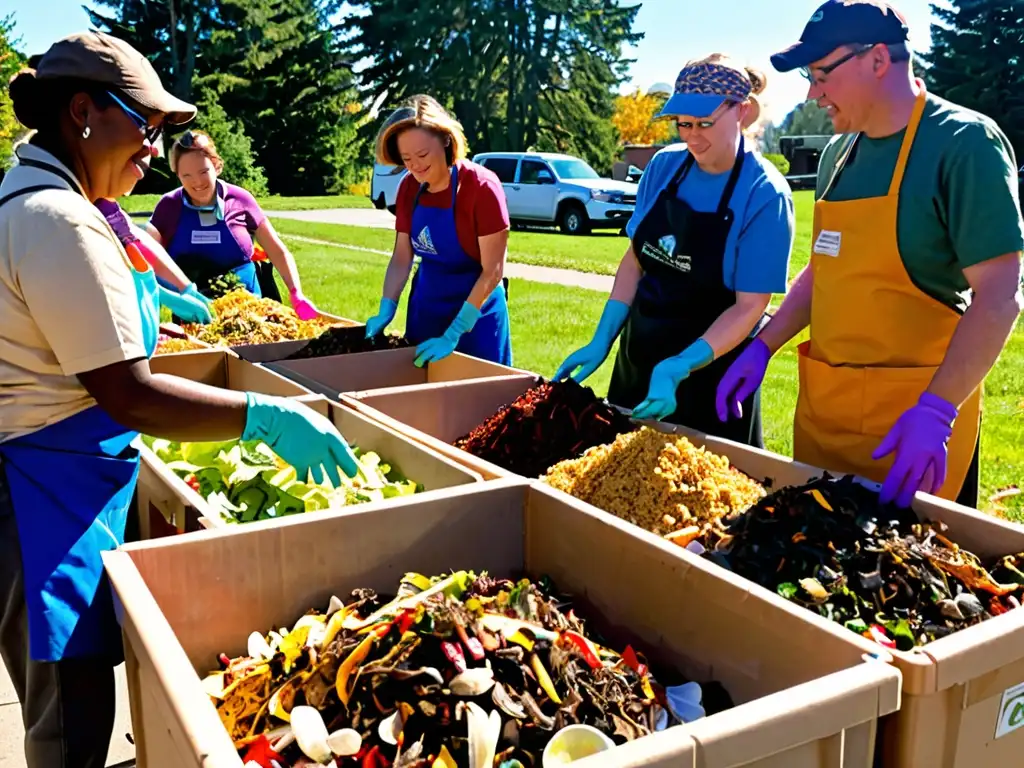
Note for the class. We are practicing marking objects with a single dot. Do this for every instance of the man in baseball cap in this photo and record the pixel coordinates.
(913, 284)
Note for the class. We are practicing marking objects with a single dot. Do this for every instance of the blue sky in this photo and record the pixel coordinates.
(749, 30)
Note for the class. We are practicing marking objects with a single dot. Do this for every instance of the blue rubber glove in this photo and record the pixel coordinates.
(300, 436)
(385, 314)
(432, 350)
(191, 290)
(666, 377)
(187, 308)
(589, 358)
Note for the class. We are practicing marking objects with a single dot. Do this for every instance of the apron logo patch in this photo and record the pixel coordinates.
(665, 252)
(828, 243)
(424, 243)
(199, 237)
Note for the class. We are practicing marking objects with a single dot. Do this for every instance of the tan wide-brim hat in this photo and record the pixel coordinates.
(101, 58)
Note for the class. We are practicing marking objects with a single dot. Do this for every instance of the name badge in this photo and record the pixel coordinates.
(199, 237)
(828, 243)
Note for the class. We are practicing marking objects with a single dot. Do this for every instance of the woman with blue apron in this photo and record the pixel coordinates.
(709, 244)
(77, 387)
(458, 300)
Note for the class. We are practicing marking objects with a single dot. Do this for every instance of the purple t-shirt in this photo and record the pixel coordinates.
(242, 214)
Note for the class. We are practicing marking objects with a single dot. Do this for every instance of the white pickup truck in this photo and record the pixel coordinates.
(546, 188)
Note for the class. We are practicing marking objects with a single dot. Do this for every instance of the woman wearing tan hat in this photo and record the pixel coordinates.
(79, 319)
(452, 214)
(710, 242)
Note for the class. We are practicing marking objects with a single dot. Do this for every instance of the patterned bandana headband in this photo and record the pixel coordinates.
(713, 80)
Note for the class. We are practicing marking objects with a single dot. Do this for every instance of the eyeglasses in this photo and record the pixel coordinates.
(708, 122)
(828, 69)
(150, 132)
(187, 140)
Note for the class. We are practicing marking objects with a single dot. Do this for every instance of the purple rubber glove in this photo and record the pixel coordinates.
(919, 438)
(303, 307)
(743, 377)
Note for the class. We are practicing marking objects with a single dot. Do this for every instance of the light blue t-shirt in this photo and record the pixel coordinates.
(761, 237)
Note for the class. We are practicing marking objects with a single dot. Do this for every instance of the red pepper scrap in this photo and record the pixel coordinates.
(373, 759)
(405, 621)
(454, 654)
(877, 633)
(629, 656)
(996, 607)
(584, 648)
(261, 753)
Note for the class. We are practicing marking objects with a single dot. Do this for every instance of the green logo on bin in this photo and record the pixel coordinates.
(1011, 711)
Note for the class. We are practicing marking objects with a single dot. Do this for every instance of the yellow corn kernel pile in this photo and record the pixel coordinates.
(241, 318)
(657, 481)
(170, 346)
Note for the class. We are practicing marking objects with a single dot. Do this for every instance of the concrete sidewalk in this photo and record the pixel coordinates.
(12, 733)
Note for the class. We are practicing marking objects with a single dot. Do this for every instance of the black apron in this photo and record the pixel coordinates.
(681, 293)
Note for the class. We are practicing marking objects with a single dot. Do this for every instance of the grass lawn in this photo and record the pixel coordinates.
(146, 203)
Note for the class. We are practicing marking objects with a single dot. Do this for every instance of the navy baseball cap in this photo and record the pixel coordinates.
(843, 22)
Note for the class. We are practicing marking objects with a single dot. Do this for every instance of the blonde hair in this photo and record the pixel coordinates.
(201, 143)
(420, 111)
(758, 82)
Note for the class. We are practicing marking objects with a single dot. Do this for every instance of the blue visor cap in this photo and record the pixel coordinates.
(703, 88)
(843, 22)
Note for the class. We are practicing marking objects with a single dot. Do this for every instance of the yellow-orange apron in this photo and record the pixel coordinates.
(876, 339)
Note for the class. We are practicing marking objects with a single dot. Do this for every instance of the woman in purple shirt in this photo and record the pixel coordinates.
(210, 227)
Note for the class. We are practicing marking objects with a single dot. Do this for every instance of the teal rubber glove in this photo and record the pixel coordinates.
(589, 358)
(300, 436)
(191, 290)
(385, 314)
(666, 377)
(189, 309)
(432, 350)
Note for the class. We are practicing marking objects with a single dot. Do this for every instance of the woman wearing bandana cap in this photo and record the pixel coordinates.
(709, 245)
(914, 281)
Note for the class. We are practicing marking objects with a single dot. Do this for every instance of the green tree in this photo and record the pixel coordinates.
(516, 73)
(11, 60)
(975, 60)
(808, 119)
(233, 145)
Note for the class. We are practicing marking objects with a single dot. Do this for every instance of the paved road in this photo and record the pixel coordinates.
(513, 270)
(354, 217)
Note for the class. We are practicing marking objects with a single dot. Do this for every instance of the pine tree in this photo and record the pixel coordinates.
(11, 60)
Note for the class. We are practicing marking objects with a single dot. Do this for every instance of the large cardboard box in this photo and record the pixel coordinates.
(806, 695)
(278, 350)
(963, 696)
(384, 369)
(437, 416)
(160, 508)
(186, 510)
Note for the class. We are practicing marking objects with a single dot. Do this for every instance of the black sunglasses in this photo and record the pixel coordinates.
(828, 69)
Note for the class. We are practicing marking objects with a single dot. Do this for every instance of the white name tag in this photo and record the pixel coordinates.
(199, 237)
(828, 243)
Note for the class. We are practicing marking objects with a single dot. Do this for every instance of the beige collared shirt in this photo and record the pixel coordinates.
(67, 298)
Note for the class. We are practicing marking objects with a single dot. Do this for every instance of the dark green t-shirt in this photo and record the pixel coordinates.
(958, 202)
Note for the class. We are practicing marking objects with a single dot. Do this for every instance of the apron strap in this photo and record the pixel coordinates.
(454, 183)
(730, 185)
(908, 141)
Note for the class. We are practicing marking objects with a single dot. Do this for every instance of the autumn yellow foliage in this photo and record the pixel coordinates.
(634, 115)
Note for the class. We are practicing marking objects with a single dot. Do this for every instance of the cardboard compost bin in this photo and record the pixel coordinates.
(189, 511)
(963, 695)
(806, 695)
(161, 508)
(278, 350)
(384, 369)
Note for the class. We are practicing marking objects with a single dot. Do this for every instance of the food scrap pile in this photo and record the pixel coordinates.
(660, 482)
(241, 318)
(247, 481)
(167, 345)
(548, 423)
(832, 547)
(345, 341)
(462, 670)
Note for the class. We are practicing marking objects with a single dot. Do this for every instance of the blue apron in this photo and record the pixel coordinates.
(444, 280)
(204, 247)
(71, 487)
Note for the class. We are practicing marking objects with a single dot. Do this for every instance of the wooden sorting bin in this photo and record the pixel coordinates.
(383, 370)
(959, 693)
(160, 508)
(189, 511)
(806, 695)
